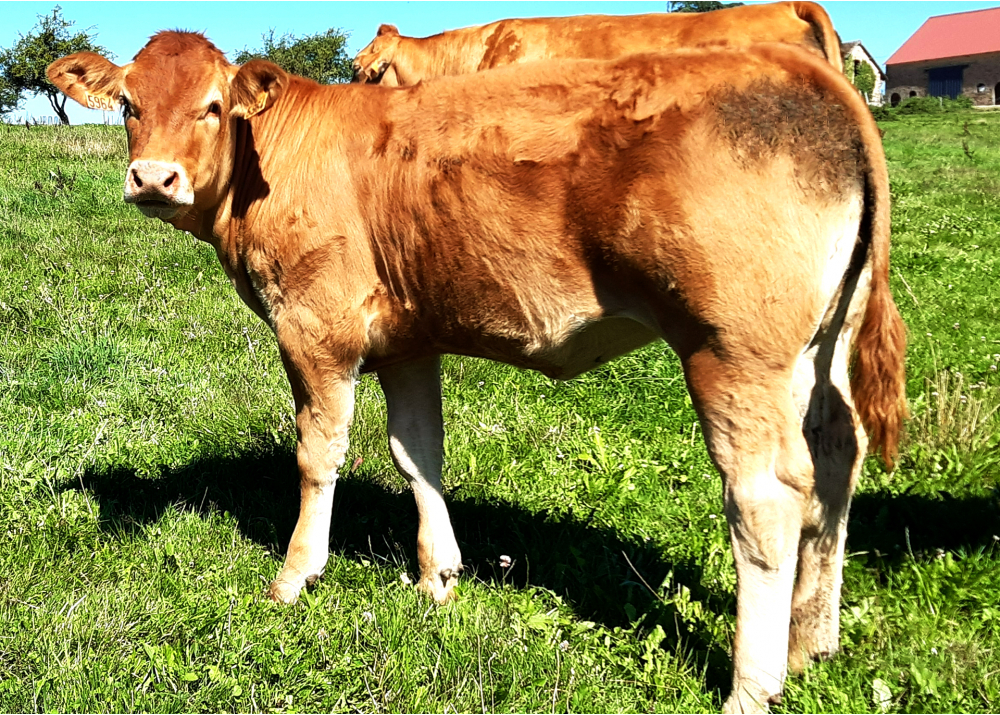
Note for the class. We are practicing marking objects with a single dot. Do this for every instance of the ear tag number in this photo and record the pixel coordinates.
(258, 106)
(105, 104)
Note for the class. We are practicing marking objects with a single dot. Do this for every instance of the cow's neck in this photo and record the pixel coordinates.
(215, 224)
(449, 53)
(254, 232)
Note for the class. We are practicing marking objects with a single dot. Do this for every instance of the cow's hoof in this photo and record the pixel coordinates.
(743, 701)
(440, 586)
(799, 660)
(283, 592)
(803, 652)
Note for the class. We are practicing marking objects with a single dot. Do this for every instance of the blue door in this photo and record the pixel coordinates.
(945, 81)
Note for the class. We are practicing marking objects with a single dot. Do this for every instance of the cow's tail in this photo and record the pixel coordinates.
(878, 380)
(822, 26)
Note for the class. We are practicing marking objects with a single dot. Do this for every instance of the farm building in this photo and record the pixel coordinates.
(949, 56)
(855, 54)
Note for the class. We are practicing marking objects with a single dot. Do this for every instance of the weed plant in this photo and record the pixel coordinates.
(148, 487)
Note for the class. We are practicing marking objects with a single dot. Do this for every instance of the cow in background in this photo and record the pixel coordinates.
(555, 216)
(398, 61)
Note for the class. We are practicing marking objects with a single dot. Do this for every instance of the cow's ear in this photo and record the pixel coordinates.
(88, 78)
(386, 30)
(257, 85)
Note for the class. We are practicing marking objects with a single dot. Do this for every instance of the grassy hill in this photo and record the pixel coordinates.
(148, 487)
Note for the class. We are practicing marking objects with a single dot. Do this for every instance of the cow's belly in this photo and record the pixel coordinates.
(588, 346)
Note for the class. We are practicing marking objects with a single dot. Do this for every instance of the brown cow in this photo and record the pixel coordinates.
(398, 61)
(554, 216)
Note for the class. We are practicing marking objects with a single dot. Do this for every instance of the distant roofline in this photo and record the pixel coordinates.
(965, 12)
(933, 47)
(859, 43)
(942, 59)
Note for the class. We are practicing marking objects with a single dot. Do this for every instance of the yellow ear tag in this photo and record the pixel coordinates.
(258, 106)
(105, 104)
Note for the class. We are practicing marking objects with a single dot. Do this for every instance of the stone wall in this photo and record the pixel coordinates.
(981, 73)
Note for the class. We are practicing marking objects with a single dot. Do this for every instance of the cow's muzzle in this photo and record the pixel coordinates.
(159, 189)
(372, 74)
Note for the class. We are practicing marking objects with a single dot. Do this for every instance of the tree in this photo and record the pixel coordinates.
(9, 98)
(861, 76)
(22, 67)
(849, 68)
(321, 57)
(700, 6)
(864, 79)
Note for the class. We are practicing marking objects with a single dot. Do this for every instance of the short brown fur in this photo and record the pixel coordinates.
(555, 216)
(396, 60)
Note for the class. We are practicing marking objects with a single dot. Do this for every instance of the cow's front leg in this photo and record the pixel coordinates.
(324, 402)
(416, 439)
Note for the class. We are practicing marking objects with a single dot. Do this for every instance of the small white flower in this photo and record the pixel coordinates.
(505, 561)
(405, 578)
(564, 646)
(368, 616)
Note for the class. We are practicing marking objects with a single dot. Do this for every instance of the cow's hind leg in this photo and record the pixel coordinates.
(754, 437)
(837, 445)
(416, 439)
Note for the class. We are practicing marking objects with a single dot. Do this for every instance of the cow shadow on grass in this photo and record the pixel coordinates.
(891, 527)
(595, 570)
(603, 575)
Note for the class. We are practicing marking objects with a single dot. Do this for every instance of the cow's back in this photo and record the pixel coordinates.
(610, 37)
(495, 201)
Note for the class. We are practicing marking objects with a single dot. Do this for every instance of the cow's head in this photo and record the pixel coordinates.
(373, 63)
(180, 100)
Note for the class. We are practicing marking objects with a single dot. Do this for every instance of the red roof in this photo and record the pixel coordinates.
(964, 33)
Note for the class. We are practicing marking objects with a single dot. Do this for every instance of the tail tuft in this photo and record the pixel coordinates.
(878, 382)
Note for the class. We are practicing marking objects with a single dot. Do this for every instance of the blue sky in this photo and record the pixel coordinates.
(124, 27)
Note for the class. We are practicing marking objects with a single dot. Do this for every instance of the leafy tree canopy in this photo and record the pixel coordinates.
(864, 79)
(9, 98)
(22, 67)
(322, 57)
(849, 68)
(702, 6)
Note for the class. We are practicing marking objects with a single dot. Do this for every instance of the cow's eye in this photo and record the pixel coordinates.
(126, 108)
(214, 110)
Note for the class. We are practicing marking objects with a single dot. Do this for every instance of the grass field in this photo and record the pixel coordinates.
(148, 487)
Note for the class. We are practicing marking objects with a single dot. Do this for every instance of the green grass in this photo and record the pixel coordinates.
(148, 488)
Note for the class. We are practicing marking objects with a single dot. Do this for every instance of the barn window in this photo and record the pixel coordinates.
(945, 81)
(980, 88)
(996, 94)
(913, 93)
(894, 99)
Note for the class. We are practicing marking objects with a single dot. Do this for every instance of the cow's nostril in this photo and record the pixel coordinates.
(169, 180)
(136, 179)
